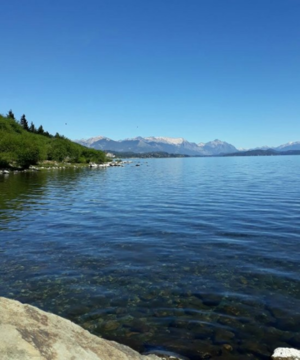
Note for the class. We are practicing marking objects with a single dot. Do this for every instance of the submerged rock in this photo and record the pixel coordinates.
(111, 325)
(211, 299)
(223, 336)
(27, 333)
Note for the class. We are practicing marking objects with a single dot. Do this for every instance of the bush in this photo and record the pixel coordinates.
(4, 164)
(28, 154)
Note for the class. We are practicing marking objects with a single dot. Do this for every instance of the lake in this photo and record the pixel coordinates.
(198, 256)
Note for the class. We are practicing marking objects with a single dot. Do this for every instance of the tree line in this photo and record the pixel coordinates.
(31, 128)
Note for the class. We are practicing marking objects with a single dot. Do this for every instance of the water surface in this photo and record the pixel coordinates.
(199, 256)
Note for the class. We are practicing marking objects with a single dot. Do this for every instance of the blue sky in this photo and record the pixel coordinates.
(198, 69)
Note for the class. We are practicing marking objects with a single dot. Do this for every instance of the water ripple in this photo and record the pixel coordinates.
(177, 254)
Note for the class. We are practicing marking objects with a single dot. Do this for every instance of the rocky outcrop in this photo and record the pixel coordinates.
(286, 354)
(27, 333)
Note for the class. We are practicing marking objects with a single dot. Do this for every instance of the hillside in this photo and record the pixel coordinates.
(262, 152)
(255, 152)
(22, 146)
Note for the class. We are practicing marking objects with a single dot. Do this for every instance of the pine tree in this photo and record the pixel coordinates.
(24, 122)
(40, 130)
(11, 115)
(32, 128)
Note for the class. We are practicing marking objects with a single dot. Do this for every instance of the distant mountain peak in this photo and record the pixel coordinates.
(133, 139)
(217, 141)
(292, 145)
(167, 140)
(89, 142)
(94, 139)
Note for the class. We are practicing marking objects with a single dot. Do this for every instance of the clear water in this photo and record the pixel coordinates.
(199, 256)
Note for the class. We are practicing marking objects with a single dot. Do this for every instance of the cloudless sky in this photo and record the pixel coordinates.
(198, 69)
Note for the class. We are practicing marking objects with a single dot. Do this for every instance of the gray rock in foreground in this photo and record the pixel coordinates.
(27, 333)
(286, 354)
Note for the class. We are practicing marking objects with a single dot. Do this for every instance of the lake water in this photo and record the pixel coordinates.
(199, 256)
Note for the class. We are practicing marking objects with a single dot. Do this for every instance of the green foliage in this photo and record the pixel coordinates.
(4, 163)
(22, 148)
(40, 130)
(28, 153)
(32, 127)
(57, 150)
(24, 122)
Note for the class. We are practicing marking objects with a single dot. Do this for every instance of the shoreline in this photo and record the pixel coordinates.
(61, 166)
(26, 333)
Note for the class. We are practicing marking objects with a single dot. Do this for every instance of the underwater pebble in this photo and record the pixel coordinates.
(227, 347)
(223, 336)
(111, 325)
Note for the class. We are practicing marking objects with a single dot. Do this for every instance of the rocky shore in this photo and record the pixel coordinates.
(28, 333)
(108, 164)
(62, 166)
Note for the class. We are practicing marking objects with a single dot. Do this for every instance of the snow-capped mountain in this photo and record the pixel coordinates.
(217, 147)
(176, 146)
(166, 140)
(292, 145)
(289, 146)
(90, 141)
(159, 144)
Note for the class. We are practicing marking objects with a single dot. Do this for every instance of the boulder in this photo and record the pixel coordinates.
(28, 333)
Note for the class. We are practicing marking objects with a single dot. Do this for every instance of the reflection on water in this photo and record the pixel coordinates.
(195, 256)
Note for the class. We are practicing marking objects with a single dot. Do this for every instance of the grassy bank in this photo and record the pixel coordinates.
(22, 146)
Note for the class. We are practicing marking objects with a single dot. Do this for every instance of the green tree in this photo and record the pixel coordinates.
(24, 122)
(11, 115)
(32, 128)
(29, 155)
(58, 150)
(40, 130)
(29, 151)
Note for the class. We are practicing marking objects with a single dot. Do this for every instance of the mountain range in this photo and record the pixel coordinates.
(173, 146)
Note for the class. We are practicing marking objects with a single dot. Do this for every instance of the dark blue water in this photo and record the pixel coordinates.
(200, 256)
